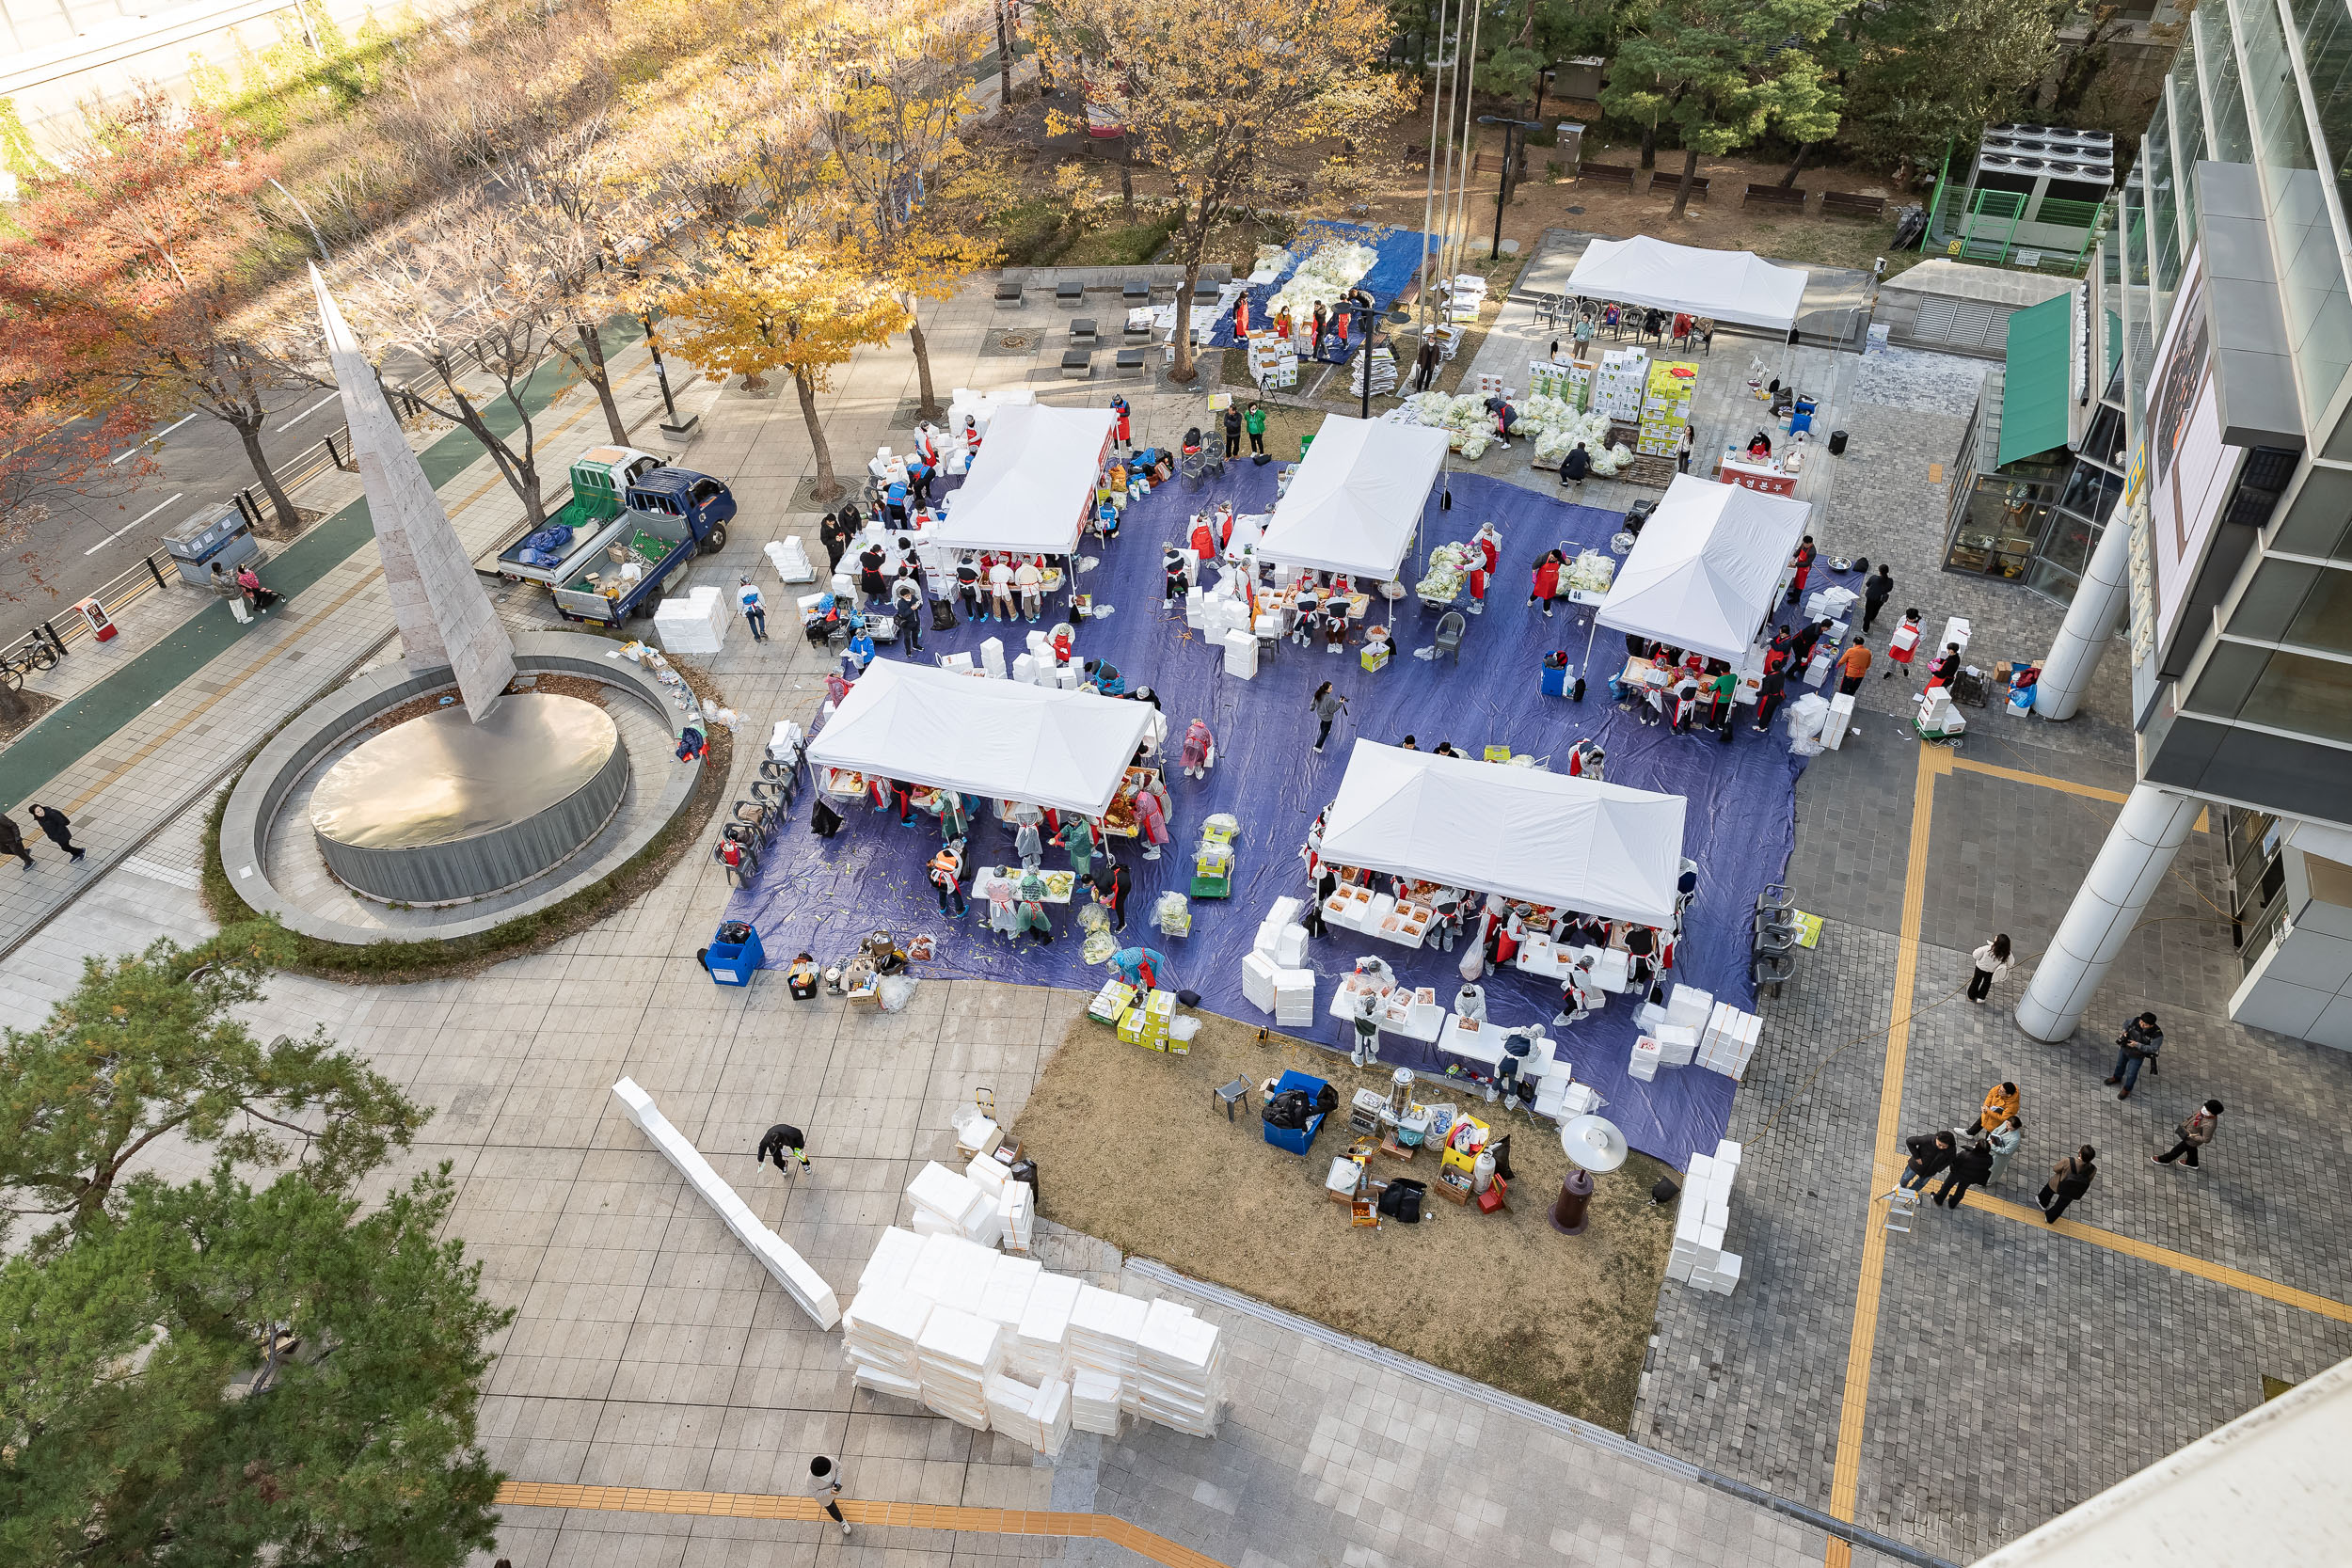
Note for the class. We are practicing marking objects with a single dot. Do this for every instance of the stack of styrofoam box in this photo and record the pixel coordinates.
(1024, 668)
(1241, 653)
(1196, 607)
(802, 1283)
(881, 1325)
(790, 558)
(1689, 1006)
(1179, 1366)
(1728, 1040)
(1295, 997)
(1040, 1348)
(1256, 981)
(1697, 1257)
(696, 624)
(992, 658)
(959, 1351)
(1094, 1401)
(1038, 1414)
(1104, 1327)
(1829, 603)
(1006, 1296)
(1678, 1044)
(1016, 1213)
(1645, 1059)
(947, 1204)
(1840, 721)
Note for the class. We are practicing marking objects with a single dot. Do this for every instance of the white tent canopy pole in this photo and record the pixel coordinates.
(1032, 486)
(1520, 833)
(1727, 285)
(999, 739)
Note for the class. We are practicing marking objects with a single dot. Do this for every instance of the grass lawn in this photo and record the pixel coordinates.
(1134, 1150)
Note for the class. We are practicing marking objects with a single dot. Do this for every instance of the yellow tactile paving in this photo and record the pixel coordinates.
(754, 1505)
(2236, 1280)
(2044, 781)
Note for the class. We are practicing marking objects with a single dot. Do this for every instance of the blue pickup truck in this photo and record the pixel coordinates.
(632, 522)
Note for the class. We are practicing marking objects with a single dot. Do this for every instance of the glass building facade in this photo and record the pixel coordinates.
(2242, 675)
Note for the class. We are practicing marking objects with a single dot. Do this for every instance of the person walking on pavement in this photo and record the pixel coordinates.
(1930, 1152)
(2004, 1140)
(2069, 1179)
(1971, 1168)
(1255, 421)
(834, 535)
(2140, 1040)
(2000, 1104)
(754, 608)
(824, 1484)
(780, 1140)
(1232, 429)
(1852, 665)
(1991, 967)
(1327, 704)
(58, 828)
(2194, 1133)
(12, 841)
(1875, 592)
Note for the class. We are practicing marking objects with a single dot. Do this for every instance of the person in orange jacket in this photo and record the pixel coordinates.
(2000, 1104)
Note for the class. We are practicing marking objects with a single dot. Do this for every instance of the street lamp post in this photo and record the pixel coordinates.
(1503, 188)
(672, 425)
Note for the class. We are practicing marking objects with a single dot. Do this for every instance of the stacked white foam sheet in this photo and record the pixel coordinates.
(947, 1204)
(1038, 1414)
(958, 1352)
(1016, 1215)
(1697, 1257)
(802, 1283)
(1728, 1041)
(1094, 1401)
(882, 1325)
(790, 558)
(694, 624)
(952, 1272)
(1040, 1341)
(1104, 1327)
(1294, 996)
(1178, 1368)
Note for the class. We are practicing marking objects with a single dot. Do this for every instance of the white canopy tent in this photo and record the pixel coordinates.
(1727, 285)
(1522, 833)
(1004, 740)
(1706, 569)
(1356, 497)
(1032, 486)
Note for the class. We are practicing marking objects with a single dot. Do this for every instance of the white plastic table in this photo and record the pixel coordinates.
(1422, 1021)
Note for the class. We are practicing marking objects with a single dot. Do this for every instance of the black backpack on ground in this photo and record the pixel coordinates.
(1288, 1110)
(1401, 1200)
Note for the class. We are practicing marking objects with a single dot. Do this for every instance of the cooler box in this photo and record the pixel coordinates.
(733, 964)
(1297, 1140)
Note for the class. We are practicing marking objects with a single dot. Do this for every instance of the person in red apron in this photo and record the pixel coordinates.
(1119, 407)
(1803, 561)
(1905, 643)
(1241, 320)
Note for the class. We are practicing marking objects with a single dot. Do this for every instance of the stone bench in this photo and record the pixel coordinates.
(1077, 364)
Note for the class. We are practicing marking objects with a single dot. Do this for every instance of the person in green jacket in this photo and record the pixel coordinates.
(1254, 422)
(1720, 689)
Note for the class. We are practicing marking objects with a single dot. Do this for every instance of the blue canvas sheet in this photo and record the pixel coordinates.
(823, 894)
(1400, 258)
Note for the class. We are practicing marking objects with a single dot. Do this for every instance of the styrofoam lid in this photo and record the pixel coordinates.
(894, 1317)
(893, 1255)
(1109, 1314)
(960, 1341)
(1046, 1317)
(946, 1192)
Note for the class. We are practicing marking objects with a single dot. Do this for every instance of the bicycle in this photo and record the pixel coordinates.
(26, 658)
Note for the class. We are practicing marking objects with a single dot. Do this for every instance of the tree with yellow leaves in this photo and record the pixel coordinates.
(765, 301)
(891, 120)
(1217, 94)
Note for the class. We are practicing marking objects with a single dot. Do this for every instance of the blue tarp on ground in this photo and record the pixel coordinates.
(822, 895)
(1400, 257)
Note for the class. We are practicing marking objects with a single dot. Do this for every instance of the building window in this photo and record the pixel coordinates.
(2000, 526)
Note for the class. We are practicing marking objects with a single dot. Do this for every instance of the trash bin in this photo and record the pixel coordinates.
(734, 955)
(1838, 443)
(213, 534)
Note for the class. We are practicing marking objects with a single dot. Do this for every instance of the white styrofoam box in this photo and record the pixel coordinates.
(1727, 1269)
(790, 558)
(1701, 1277)
(1676, 1044)
(1702, 1166)
(1268, 932)
(845, 588)
(1726, 1152)
(1710, 1234)
(992, 658)
(1069, 677)
(953, 1269)
(1840, 719)
(1290, 947)
(1643, 1069)
(1256, 981)
(1094, 1401)
(928, 1223)
(1007, 1293)
(802, 1283)
(1024, 668)
(1241, 654)
(1955, 631)
(1718, 1209)
(1286, 909)
(1196, 604)
(1293, 982)
(976, 1132)
(956, 661)
(694, 624)
(951, 1196)
(893, 1255)
(1042, 1337)
(1648, 1016)
(988, 1173)
(1689, 1005)
(1105, 1320)
(1679, 1272)
(1648, 1055)
(1817, 671)
(1041, 644)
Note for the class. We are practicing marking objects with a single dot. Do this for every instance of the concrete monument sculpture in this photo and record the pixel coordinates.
(444, 616)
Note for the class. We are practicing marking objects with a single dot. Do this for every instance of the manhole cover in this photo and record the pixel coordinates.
(1016, 340)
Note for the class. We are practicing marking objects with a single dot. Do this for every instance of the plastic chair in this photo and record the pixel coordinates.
(1452, 626)
(1230, 1094)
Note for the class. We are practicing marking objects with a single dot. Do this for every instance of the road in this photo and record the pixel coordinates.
(87, 540)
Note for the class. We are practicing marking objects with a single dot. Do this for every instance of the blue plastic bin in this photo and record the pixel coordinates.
(1555, 674)
(1297, 1139)
(733, 964)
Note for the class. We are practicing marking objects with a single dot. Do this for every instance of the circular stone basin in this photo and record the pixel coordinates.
(439, 808)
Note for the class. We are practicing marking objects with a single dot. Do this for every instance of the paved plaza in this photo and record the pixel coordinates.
(1947, 1388)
